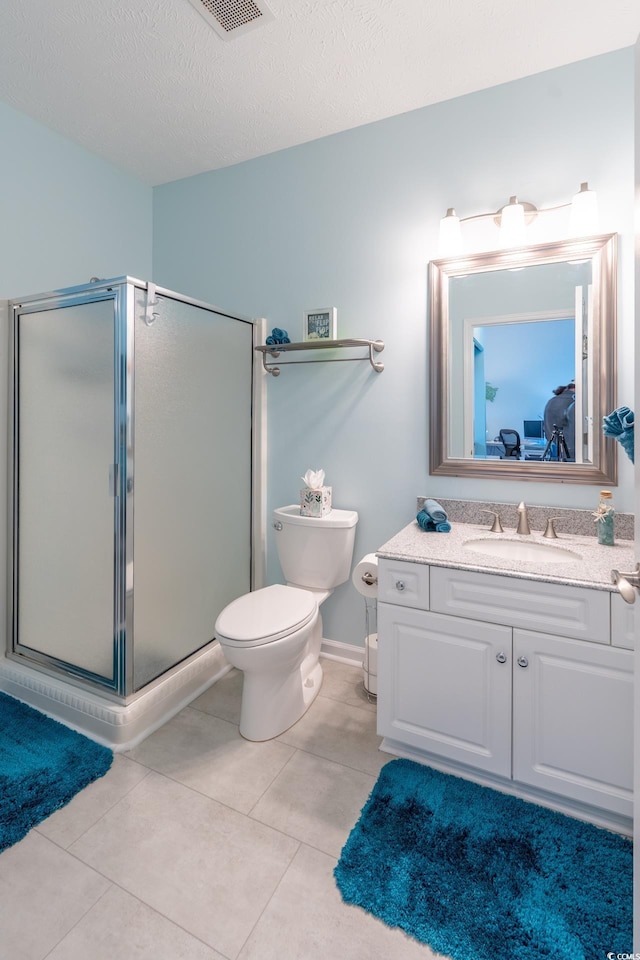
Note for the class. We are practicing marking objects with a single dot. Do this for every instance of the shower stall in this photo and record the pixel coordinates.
(135, 503)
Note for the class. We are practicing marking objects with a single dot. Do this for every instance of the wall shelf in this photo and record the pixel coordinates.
(372, 346)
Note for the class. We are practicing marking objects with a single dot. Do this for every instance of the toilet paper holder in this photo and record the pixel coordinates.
(369, 578)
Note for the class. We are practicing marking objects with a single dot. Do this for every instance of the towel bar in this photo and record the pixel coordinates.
(373, 346)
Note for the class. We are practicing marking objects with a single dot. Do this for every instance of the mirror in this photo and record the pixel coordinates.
(523, 362)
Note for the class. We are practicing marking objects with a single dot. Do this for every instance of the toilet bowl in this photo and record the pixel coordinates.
(274, 634)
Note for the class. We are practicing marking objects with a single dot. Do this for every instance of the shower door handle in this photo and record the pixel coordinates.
(114, 479)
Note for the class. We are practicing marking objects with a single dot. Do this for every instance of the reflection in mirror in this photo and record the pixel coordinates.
(523, 362)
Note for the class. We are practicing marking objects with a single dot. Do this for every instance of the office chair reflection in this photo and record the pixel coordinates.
(511, 442)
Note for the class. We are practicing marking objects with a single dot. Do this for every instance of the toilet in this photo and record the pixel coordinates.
(274, 634)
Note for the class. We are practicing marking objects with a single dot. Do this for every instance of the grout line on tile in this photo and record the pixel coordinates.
(346, 703)
(276, 888)
(271, 782)
(170, 920)
(108, 810)
(88, 910)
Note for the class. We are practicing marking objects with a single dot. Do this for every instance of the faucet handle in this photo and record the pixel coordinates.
(496, 526)
(550, 530)
(523, 520)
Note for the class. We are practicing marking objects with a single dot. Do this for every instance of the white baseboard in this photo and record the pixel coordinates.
(344, 652)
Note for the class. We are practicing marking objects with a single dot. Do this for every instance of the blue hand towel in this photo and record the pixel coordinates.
(620, 424)
(270, 341)
(430, 525)
(435, 510)
(279, 336)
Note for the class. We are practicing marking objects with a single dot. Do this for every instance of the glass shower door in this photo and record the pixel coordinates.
(64, 508)
(192, 477)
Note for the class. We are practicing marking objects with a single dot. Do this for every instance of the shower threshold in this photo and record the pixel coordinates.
(118, 726)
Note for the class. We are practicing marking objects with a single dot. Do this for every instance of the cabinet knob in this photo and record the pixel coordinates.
(400, 585)
(523, 662)
(501, 657)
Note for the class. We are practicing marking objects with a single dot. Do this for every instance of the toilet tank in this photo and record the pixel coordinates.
(315, 552)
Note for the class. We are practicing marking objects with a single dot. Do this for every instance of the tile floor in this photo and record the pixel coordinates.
(198, 845)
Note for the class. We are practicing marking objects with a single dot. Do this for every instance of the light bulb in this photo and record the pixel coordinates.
(583, 221)
(450, 240)
(512, 231)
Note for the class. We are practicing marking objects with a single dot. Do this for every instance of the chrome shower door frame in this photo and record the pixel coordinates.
(115, 475)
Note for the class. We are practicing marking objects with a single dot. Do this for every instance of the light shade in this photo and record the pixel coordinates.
(450, 239)
(583, 221)
(512, 226)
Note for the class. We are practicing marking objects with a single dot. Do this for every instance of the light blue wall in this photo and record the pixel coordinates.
(65, 214)
(351, 221)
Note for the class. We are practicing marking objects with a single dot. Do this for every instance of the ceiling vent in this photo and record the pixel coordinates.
(230, 18)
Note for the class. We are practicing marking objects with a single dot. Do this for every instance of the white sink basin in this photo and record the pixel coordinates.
(522, 550)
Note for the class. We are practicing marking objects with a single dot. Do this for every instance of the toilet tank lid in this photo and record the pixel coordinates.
(336, 518)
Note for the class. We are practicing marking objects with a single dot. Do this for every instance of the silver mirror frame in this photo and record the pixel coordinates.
(602, 251)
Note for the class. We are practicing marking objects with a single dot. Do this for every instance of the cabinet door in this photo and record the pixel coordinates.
(444, 686)
(573, 719)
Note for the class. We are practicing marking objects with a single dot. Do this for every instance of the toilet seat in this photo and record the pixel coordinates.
(266, 615)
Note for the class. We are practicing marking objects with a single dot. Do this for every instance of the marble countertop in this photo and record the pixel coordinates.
(592, 569)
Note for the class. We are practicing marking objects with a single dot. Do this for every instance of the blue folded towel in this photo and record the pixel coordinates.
(280, 336)
(430, 525)
(277, 336)
(435, 510)
(619, 424)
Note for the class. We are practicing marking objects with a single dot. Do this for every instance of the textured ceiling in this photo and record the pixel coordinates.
(149, 86)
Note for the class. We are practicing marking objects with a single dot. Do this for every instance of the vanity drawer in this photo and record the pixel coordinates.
(565, 611)
(406, 584)
(623, 616)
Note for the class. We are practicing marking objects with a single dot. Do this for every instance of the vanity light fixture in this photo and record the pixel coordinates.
(515, 217)
(450, 241)
(583, 221)
(512, 225)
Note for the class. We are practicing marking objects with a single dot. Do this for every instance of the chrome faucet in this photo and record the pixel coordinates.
(523, 520)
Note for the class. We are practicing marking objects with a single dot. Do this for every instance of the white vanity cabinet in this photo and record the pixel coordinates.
(573, 719)
(514, 678)
(445, 686)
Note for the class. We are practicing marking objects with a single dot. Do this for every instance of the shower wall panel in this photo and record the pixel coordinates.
(192, 478)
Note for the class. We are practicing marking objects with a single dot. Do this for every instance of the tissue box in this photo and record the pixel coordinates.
(315, 503)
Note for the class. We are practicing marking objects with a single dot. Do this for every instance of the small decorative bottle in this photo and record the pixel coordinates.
(604, 518)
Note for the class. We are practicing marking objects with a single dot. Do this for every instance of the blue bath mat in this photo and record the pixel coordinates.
(480, 875)
(43, 764)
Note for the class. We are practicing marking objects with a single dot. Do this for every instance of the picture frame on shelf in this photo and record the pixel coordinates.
(320, 324)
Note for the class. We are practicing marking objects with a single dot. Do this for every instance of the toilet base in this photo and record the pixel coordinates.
(272, 703)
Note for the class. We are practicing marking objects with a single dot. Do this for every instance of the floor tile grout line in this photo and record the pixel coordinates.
(80, 919)
(103, 815)
(271, 782)
(149, 906)
(348, 703)
(267, 904)
(348, 766)
(205, 796)
(114, 884)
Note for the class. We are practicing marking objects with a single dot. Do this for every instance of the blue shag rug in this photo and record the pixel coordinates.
(480, 875)
(43, 764)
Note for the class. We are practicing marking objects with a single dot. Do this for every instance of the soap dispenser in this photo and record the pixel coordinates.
(604, 519)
